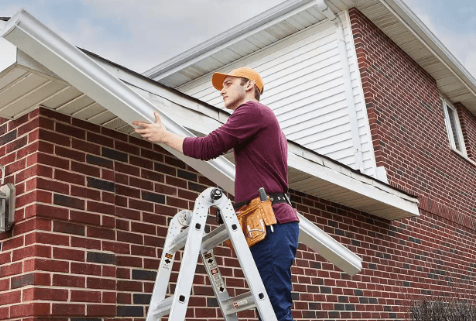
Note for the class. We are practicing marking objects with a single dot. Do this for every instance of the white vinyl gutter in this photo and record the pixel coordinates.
(349, 91)
(68, 62)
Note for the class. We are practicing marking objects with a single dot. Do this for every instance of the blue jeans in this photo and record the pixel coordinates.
(274, 257)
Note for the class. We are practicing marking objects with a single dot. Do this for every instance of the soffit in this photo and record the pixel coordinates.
(397, 21)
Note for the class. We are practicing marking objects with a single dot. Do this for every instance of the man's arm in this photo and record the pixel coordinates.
(156, 132)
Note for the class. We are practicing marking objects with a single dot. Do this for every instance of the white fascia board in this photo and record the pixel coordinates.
(79, 70)
(75, 67)
(8, 52)
(265, 20)
(421, 31)
(340, 176)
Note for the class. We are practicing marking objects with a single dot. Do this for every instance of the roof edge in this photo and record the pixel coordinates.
(224, 37)
(421, 31)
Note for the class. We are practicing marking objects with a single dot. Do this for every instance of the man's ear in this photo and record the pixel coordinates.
(249, 85)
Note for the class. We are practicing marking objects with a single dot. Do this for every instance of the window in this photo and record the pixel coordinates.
(453, 127)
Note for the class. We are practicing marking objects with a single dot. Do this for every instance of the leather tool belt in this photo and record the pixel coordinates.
(258, 213)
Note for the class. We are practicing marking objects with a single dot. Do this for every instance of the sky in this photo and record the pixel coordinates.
(140, 34)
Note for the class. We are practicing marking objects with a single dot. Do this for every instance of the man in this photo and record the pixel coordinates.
(260, 149)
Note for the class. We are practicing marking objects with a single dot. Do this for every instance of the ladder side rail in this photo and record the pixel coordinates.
(239, 303)
(191, 252)
(165, 268)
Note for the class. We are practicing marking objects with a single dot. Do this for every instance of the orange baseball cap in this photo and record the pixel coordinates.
(245, 72)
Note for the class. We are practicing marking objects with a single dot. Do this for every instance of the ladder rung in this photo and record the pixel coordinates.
(215, 237)
(163, 308)
(239, 303)
(179, 242)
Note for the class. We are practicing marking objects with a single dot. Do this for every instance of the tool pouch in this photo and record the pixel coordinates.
(254, 218)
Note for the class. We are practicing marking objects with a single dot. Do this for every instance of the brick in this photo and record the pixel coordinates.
(105, 258)
(85, 296)
(31, 251)
(50, 185)
(127, 191)
(30, 279)
(69, 254)
(127, 148)
(70, 131)
(51, 265)
(100, 233)
(100, 184)
(114, 154)
(46, 211)
(99, 161)
(140, 183)
(70, 153)
(165, 169)
(144, 275)
(54, 115)
(68, 201)
(54, 138)
(114, 134)
(45, 294)
(84, 217)
(140, 162)
(148, 154)
(101, 310)
(85, 125)
(85, 147)
(17, 144)
(69, 228)
(126, 169)
(30, 309)
(130, 311)
(68, 309)
(69, 280)
(53, 161)
(99, 283)
(99, 139)
(69, 177)
(10, 297)
(154, 176)
(85, 192)
(85, 268)
(8, 137)
(153, 197)
(100, 207)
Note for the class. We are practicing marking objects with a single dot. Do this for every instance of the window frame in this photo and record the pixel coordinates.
(450, 129)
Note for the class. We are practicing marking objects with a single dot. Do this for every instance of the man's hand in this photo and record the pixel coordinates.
(157, 133)
(154, 132)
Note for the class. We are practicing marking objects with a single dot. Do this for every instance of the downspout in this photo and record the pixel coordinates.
(349, 92)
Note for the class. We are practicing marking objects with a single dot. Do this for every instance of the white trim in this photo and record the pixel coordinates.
(451, 131)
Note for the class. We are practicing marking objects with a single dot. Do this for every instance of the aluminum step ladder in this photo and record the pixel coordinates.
(186, 231)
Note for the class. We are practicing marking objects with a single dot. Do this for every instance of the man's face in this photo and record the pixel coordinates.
(233, 92)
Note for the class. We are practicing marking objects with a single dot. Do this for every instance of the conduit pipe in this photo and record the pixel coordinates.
(68, 62)
(349, 91)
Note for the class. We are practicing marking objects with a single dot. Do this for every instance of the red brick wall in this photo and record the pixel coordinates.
(92, 211)
(407, 123)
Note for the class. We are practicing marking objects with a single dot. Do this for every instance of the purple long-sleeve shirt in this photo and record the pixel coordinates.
(261, 154)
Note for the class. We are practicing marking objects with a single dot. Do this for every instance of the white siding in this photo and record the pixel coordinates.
(304, 86)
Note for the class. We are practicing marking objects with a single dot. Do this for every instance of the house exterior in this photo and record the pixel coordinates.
(381, 125)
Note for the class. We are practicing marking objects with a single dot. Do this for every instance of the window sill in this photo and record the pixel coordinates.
(463, 156)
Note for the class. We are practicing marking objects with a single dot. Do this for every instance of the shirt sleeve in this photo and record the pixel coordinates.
(244, 123)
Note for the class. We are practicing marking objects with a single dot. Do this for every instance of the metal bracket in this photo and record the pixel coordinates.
(7, 204)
